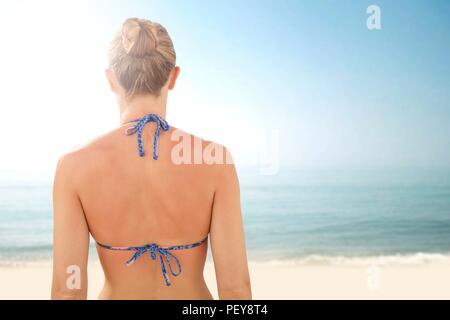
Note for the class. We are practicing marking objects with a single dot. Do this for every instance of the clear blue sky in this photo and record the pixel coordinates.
(338, 93)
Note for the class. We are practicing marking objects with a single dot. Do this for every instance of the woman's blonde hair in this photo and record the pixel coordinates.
(142, 56)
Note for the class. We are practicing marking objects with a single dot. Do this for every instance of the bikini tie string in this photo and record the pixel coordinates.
(163, 253)
(154, 249)
(139, 126)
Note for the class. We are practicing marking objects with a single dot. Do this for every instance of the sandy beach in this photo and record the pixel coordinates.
(274, 281)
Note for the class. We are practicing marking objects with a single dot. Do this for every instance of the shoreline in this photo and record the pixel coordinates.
(399, 259)
(428, 279)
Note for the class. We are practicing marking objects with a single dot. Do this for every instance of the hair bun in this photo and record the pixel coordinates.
(138, 38)
(142, 57)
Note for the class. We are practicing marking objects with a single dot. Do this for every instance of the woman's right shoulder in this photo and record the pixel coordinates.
(190, 149)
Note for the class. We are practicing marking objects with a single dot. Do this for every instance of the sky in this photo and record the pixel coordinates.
(304, 80)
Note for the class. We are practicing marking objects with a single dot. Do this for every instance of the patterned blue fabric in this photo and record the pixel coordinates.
(154, 249)
(139, 126)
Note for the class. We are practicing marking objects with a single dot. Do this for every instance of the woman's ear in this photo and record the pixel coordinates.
(111, 77)
(173, 77)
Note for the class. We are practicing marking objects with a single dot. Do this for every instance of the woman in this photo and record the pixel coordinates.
(135, 190)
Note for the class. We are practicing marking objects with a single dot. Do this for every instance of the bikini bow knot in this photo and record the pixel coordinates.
(139, 127)
(154, 250)
(164, 254)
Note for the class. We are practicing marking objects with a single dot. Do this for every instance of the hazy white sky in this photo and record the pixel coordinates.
(336, 93)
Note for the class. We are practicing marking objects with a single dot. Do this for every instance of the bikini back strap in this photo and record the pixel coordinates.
(154, 250)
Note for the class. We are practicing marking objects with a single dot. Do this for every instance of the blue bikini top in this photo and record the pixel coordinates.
(139, 126)
(165, 256)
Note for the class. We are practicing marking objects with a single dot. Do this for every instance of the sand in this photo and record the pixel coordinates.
(273, 281)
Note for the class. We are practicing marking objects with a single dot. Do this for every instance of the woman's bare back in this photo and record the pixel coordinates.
(130, 200)
(123, 200)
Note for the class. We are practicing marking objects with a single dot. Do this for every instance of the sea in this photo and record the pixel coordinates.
(302, 215)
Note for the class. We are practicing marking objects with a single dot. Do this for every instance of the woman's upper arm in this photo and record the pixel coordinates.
(70, 236)
(227, 238)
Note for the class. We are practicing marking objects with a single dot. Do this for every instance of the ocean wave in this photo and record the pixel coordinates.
(396, 260)
(416, 259)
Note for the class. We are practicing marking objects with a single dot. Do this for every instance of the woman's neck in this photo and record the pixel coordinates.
(140, 106)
